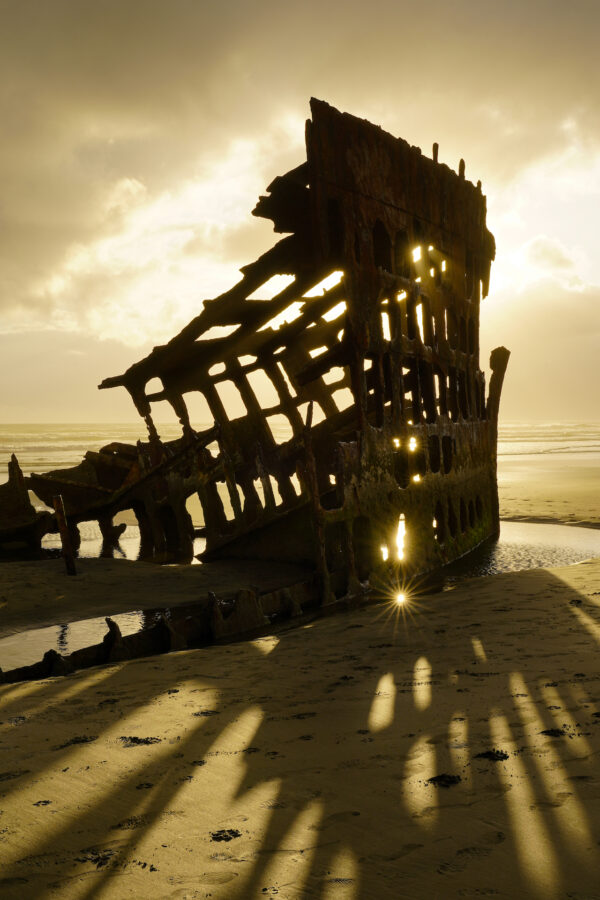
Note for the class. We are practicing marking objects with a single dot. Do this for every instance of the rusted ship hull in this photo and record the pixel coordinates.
(375, 338)
(368, 354)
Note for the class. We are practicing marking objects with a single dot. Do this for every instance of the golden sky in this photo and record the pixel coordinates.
(137, 136)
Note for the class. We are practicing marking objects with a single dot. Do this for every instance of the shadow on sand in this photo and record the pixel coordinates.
(301, 765)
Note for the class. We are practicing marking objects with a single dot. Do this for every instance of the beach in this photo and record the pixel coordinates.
(452, 752)
(448, 747)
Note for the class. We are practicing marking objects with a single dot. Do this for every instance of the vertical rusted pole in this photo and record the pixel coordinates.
(310, 478)
(65, 537)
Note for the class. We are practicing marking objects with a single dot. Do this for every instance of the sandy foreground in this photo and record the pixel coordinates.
(299, 765)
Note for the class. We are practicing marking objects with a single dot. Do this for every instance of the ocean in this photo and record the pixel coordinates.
(40, 448)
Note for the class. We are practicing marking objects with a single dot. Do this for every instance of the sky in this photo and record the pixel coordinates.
(137, 136)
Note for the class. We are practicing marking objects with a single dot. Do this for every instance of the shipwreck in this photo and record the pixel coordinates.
(368, 440)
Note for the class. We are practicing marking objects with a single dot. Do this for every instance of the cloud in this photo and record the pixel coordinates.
(102, 94)
(548, 253)
(137, 137)
(145, 272)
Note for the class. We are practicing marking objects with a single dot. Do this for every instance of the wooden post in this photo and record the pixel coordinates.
(65, 537)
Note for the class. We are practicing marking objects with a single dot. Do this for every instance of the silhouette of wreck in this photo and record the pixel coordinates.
(367, 439)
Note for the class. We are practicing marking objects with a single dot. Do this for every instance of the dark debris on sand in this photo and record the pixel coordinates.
(225, 834)
(98, 857)
(138, 741)
(444, 780)
(493, 755)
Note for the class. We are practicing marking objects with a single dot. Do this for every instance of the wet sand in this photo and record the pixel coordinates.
(449, 752)
(557, 487)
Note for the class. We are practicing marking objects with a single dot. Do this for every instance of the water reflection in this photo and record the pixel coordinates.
(527, 545)
(28, 647)
(127, 546)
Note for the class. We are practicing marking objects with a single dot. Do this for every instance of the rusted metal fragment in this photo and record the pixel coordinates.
(21, 526)
(498, 363)
(65, 537)
(287, 203)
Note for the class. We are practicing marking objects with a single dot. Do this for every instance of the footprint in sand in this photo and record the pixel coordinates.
(336, 818)
(78, 739)
(8, 776)
(130, 823)
(183, 892)
(462, 858)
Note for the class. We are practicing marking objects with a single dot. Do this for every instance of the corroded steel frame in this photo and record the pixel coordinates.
(391, 442)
